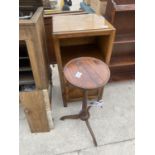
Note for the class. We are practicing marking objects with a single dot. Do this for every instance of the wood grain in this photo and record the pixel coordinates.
(94, 73)
(34, 35)
(34, 108)
(48, 21)
(80, 25)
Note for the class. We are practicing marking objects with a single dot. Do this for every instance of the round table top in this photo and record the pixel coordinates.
(87, 73)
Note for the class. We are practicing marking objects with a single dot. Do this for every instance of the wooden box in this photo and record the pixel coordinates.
(121, 13)
(76, 36)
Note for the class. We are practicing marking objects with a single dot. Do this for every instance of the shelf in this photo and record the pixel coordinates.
(124, 38)
(23, 50)
(24, 57)
(125, 7)
(26, 78)
(27, 88)
(123, 73)
(122, 60)
(25, 69)
(71, 52)
(122, 76)
(24, 63)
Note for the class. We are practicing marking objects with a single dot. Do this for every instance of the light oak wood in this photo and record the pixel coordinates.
(36, 101)
(80, 25)
(84, 22)
(35, 109)
(32, 31)
(48, 21)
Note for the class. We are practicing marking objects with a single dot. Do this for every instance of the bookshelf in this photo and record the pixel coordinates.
(121, 14)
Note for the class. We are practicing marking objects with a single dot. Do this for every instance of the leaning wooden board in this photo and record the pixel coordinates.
(35, 106)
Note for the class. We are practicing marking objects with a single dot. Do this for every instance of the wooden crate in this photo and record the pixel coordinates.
(83, 35)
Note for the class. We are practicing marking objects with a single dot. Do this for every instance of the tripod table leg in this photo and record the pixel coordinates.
(70, 117)
(91, 132)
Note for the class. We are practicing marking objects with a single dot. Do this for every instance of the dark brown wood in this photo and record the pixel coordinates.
(122, 73)
(91, 132)
(94, 73)
(100, 92)
(27, 4)
(26, 78)
(88, 38)
(121, 14)
(49, 40)
(83, 115)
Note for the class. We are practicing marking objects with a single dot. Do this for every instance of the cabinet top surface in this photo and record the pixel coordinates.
(69, 24)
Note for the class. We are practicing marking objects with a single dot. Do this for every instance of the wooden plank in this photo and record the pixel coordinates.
(122, 60)
(23, 58)
(127, 7)
(50, 13)
(48, 108)
(124, 38)
(26, 78)
(35, 110)
(25, 69)
(106, 45)
(60, 67)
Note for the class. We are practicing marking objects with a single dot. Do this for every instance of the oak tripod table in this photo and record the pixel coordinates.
(86, 73)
